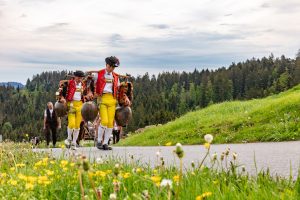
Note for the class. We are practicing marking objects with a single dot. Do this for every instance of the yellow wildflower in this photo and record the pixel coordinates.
(43, 180)
(156, 180)
(37, 164)
(168, 144)
(12, 169)
(20, 165)
(72, 164)
(52, 162)
(176, 178)
(126, 175)
(138, 170)
(29, 186)
(31, 179)
(100, 173)
(3, 175)
(22, 177)
(63, 163)
(206, 145)
(13, 182)
(49, 172)
(203, 196)
(65, 169)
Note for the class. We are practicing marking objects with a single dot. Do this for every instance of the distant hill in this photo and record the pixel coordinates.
(275, 118)
(14, 84)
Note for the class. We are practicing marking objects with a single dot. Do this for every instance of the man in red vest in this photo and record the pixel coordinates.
(74, 98)
(107, 87)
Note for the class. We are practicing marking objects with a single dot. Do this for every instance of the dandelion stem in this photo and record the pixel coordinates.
(207, 153)
(81, 185)
(93, 186)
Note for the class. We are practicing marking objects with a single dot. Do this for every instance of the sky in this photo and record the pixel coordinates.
(146, 35)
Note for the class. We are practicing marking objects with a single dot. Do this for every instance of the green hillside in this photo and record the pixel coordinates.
(275, 118)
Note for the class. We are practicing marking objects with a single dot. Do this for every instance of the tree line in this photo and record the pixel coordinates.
(157, 99)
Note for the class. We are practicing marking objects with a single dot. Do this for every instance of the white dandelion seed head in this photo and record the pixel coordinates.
(208, 138)
(166, 183)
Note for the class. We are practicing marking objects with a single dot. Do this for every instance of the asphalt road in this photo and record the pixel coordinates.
(282, 158)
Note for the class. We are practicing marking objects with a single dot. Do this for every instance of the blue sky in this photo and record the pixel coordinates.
(147, 35)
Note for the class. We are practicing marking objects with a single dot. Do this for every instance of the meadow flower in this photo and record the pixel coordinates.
(158, 153)
(12, 169)
(100, 173)
(208, 138)
(193, 164)
(29, 186)
(49, 172)
(156, 180)
(166, 183)
(3, 175)
(234, 155)
(206, 145)
(116, 169)
(63, 163)
(168, 144)
(126, 175)
(20, 165)
(227, 151)
(13, 182)
(214, 156)
(179, 151)
(203, 196)
(112, 196)
(176, 178)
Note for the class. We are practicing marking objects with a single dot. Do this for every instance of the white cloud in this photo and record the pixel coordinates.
(152, 35)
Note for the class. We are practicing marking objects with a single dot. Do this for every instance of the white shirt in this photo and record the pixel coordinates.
(77, 94)
(116, 127)
(108, 88)
(51, 111)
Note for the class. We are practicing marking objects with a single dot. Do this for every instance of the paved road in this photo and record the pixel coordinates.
(279, 157)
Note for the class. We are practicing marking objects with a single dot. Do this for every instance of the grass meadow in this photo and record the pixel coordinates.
(25, 174)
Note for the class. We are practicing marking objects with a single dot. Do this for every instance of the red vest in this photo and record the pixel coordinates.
(72, 89)
(101, 83)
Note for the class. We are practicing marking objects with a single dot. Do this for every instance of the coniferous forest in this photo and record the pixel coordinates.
(157, 99)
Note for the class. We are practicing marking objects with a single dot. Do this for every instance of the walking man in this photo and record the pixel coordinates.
(51, 123)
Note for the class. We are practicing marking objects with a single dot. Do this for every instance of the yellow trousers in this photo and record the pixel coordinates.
(107, 110)
(74, 114)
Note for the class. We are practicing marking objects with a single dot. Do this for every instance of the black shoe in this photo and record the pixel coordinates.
(99, 146)
(106, 147)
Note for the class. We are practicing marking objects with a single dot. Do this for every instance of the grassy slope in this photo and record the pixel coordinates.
(275, 118)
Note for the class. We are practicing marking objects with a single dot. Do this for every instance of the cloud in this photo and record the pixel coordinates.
(54, 27)
(265, 5)
(159, 26)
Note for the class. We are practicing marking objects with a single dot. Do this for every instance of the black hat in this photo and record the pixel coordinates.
(79, 73)
(112, 61)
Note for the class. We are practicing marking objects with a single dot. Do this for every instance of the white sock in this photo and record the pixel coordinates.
(101, 130)
(75, 135)
(70, 131)
(107, 135)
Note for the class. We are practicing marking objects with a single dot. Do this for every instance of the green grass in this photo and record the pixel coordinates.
(275, 118)
(28, 175)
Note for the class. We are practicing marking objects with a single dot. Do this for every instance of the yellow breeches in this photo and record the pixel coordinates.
(107, 110)
(74, 114)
